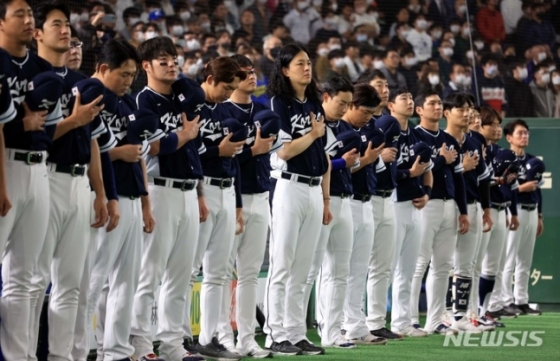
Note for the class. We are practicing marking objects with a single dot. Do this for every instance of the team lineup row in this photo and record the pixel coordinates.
(148, 189)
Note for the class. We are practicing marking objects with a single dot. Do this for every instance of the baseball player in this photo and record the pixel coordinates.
(7, 114)
(502, 196)
(74, 55)
(27, 138)
(332, 255)
(249, 247)
(298, 207)
(457, 110)
(414, 184)
(222, 189)
(521, 242)
(364, 103)
(439, 221)
(174, 171)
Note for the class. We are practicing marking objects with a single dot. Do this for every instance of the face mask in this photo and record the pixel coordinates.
(422, 24)
(433, 79)
(205, 26)
(545, 78)
(470, 54)
(411, 61)
(479, 45)
(460, 79)
(228, 3)
(522, 73)
(492, 70)
(405, 33)
(150, 35)
(452, 41)
(331, 23)
(84, 17)
(334, 47)
(378, 64)
(275, 51)
(177, 30)
(361, 38)
(541, 56)
(339, 63)
(132, 21)
(375, 15)
(334, 7)
(185, 15)
(180, 60)
(139, 36)
(455, 29)
(462, 9)
(369, 2)
(323, 52)
(447, 51)
(74, 18)
(466, 32)
(192, 70)
(467, 81)
(193, 44)
(414, 8)
(437, 34)
(551, 69)
(361, 10)
(556, 80)
(317, 3)
(302, 5)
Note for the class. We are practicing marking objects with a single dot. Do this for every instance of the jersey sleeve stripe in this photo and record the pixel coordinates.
(101, 129)
(9, 114)
(110, 144)
(55, 116)
(157, 136)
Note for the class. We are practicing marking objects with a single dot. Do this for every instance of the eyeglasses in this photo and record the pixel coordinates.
(76, 44)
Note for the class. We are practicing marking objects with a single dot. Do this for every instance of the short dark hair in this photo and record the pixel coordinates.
(396, 91)
(542, 65)
(390, 50)
(224, 70)
(242, 61)
(42, 11)
(365, 95)
(488, 114)
(337, 84)
(115, 52)
(456, 100)
(509, 128)
(336, 53)
(422, 96)
(131, 12)
(350, 44)
(154, 48)
(489, 57)
(3, 7)
(367, 76)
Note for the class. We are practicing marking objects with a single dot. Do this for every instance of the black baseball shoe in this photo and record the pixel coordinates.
(215, 350)
(526, 310)
(386, 334)
(503, 313)
(285, 348)
(307, 348)
(512, 308)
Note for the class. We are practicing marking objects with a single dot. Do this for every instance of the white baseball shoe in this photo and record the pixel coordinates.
(340, 342)
(464, 325)
(412, 332)
(368, 339)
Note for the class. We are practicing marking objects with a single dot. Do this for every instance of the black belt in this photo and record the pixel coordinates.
(499, 206)
(341, 195)
(29, 158)
(445, 199)
(471, 201)
(362, 197)
(383, 193)
(220, 182)
(310, 181)
(186, 185)
(529, 207)
(75, 170)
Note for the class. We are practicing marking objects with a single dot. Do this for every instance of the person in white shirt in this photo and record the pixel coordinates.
(303, 21)
(420, 40)
(352, 60)
(511, 12)
(364, 17)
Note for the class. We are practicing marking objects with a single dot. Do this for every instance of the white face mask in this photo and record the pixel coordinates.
(541, 56)
(84, 16)
(470, 54)
(334, 46)
(422, 24)
(177, 30)
(437, 34)
(361, 37)
(185, 15)
(150, 35)
(192, 70)
(140, 36)
(205, 26)
(411, 61)
(302, 5)
(323, 51)
(378, 64)
(466, 31)
(447, 51)
(180, 60)
(331, 22)
(74, 18)
(545, 78)
(414, 8)
(339, 63)
(468, 81)
(556, 80)
(228, 3)
(433, 79)
(523, 73)
(479, 45)
(317, 3)
(492, 70)
(455, 29)
(462, 9)
(193, 44)
(452, 41)
(460, 79)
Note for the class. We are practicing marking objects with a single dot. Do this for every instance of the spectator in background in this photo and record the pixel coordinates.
(539, 30)
(462, 43)
(445, 52)
(137, 34)
(455, 27)
(522, 23)
(459, 14)
(511, 12)
(420, 41)
(555, 79)
(542, 93)
(537, 53)
(403, 17)
(247, 29)
(391, 61)
(220, 14)
(438, 12)
(303, 21)
(436, 32)
(518, 92)
(491, 86)
(366, 59)
(415, 7)
(352, 60)
(399, 40)
(73, 59)
(490, 23)
(131, 16)
(457, 82)
(449, 36)
(362, 35)
(408, 70)
(337, 67)
(279, 30)
(431, 80)
(271, 48)
(364, 16)
(345, 26)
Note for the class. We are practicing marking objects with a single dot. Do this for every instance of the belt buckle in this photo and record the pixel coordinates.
(73, 171)
(184, 186)
(28, 161)
(311, 180)
(222, 181)
(365, 198)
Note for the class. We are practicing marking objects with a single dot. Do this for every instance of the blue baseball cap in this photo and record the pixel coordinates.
(392, 129)
(268, 121)
(45, 90)
(424, 151)
(156, 14)
(89, 90)
(505, 159)
(347, 141)
(143, 126)
(232, 125)
(535, 169)
(191, 96)
(373, 135)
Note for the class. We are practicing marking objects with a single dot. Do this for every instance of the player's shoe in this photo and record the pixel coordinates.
(255, 351)
(216, 351)
(188, 356)
(491, 321)
(444, 330)
(386, 334)
(411, 331)
(512, 308)
(482, 324)
(417, 326)
(307, 348)
(285, 348)
(150, 357)
(464, 325)
(340, 342)
(368, 339)
(502, 313)
(189, 346)
(528, 311)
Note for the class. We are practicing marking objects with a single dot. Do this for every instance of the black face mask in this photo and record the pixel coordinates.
(213, 48)
(275, 51)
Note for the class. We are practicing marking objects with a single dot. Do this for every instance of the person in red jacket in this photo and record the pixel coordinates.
(490, 23)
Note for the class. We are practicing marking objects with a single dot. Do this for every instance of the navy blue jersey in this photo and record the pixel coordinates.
(364, 181)
(7, 108)
(295, 122)
(74, 147)
(183, 163)
(501, 193)
(408, 188)
(255, 171)
(526, 197)
(341, 179)
(477, 175)
(448, 178)
(19, 75)
(387, 178)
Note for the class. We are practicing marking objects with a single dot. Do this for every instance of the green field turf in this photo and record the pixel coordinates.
(432, 347)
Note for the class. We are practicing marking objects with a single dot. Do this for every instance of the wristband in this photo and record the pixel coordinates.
(338, 164)
(428, 191)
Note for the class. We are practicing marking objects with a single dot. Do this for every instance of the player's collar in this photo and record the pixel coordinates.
(428, 131)
(247, 111)
(23, 62)
(63, 71)
(159, 94)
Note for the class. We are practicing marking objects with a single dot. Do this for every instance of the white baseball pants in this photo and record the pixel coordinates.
(438, 238)
(22, 235)
(167, 257)
(297, 213)
(493, 259)
(468, 244)
(381, 258)
(519, 257)
(407, 246)
(364, 231)
(248, 254)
